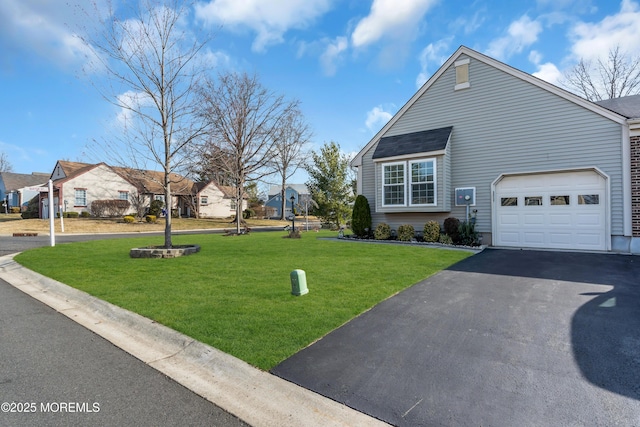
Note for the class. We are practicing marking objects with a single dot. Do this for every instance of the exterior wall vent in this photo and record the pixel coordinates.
(462, 74)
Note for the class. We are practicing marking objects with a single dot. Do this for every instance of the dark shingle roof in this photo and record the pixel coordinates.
(411, 143)
(628, 106)
(15, 181)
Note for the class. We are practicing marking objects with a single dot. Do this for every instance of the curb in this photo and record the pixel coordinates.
(256, 397)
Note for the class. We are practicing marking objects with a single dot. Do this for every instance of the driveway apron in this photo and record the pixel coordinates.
(502, 338)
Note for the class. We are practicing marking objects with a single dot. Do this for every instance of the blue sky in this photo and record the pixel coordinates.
(351, 63)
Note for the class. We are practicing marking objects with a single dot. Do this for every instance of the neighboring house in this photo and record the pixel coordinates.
(274, 202)
(217, 201)
(542, 168)
(77, 185)
(17, 188)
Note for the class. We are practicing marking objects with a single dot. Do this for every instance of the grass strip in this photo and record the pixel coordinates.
(235, 294)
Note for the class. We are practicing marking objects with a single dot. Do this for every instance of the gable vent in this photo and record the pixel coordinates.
(462, 74)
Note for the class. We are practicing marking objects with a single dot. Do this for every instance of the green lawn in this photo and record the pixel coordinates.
(235, 294)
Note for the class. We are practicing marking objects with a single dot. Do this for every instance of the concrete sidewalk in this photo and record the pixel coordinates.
(254, 396)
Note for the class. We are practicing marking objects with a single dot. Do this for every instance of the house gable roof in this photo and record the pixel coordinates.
(463, 50)
(628, 106)
(298, 188)
(411, 143)
(15, 181)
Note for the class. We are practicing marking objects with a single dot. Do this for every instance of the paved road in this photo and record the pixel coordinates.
(48, 361)
(504, 338)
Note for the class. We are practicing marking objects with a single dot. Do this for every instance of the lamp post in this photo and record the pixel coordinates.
(293, 215)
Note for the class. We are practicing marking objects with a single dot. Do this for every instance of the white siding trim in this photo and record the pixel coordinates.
(410, 156)
(627, 223)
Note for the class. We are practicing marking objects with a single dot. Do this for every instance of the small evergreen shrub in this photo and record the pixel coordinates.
(445, 239)
(248, 213)
(129, 219)
(431, 231)
(72, 214)
(467, 233)
(406, 232)
(383, 231)
(452, 229)
(151, 219)
(85, 214)
(155, 209)
(361, 217)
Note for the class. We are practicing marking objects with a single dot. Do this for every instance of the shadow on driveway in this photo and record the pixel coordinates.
(605, 332)
(502, 338)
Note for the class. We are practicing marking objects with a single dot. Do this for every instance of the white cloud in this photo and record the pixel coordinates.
(390, 19)
(333, 54)
(432, 56)
(44, 28)
(547, 71)
(594, 40)
(269, 19)
(520, 34)
(129, 102)
(377, 118)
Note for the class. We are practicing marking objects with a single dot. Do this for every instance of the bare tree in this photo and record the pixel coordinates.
(614, 77)
(5, 165)
(244, 121)
(153, 64)
(289, 146)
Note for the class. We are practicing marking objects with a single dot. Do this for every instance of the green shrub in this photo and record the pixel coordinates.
(72, 214)
(155, 209)
(84, 214)
(432, 231)
(109, 208)
(33, 209)
(151, 218)
(406, 232)
(452, 229)
(383, 231)
(248, 213)
(361, 217)
(445, 239)
(129, 219)
(14, 209)
(467, 233)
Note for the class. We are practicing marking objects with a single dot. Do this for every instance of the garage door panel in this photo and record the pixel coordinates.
(510, 219)
(560, 219)
(552, 211)
(589, 219)
(533, 219)
(560, 238)
(533, 238)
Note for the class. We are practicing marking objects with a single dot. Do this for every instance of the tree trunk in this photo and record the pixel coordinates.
(167, 204)
(283, 193)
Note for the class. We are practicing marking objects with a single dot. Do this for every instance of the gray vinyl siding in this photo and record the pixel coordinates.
(502, 124)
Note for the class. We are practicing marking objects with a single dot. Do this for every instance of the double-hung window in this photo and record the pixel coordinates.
(81, 197)
(394, 184)
(423, 182)
(409, 183)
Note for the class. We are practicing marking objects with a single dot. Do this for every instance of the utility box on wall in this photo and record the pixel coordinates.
(466, 196)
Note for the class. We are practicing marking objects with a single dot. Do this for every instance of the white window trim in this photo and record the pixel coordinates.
(404, 183)
(407, 183)
(435, 181)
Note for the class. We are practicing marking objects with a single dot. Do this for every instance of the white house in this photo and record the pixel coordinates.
(217, 201)
(77, 185)
(542, 167)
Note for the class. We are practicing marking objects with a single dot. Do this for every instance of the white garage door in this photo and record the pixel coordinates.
(559, 210)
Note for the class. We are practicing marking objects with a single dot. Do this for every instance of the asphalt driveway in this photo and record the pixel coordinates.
(502, 338)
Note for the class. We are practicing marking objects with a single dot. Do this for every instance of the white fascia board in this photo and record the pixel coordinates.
(410, 156)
